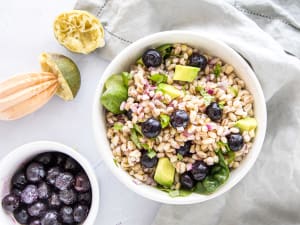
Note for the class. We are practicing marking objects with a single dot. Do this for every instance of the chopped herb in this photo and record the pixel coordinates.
(116, 162)
(140, 61)
(179, 157)
(126, 77)
(164, 120)
(165, 50)
(118, 126)
(138, 129)
(146, 146)
(134, 137)
(207, 97)
(217, 70)
(151, 153)
(221, 104)
(159, 78)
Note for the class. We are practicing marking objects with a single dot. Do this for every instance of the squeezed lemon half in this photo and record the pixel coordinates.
(79, 31)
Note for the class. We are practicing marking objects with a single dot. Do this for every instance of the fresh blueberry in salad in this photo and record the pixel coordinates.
(199, 170)
(19, 180)
(35, 172)
(30, 194)
(80, 213)
(187, 181)
(10, 202)
(129, 114)
(214, 112)
(198, 60)
(235, 141)
(66, 214)
(148, 162)
(179, 118)
(152, 58)
(185, 149)
(21, 215)
(151, 128)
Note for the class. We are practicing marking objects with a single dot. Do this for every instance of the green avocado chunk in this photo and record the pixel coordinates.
(246, 124)
(164, 173)
(169, 90)
(185, 73)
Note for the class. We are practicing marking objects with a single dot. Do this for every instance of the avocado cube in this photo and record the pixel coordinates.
(173, 92)
(185, 73)
(246, 124)
(164, 173)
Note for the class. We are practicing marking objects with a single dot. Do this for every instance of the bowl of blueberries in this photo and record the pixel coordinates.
(47, 183)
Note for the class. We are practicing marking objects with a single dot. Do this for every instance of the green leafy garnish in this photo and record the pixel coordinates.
(217, 176)
(229, 154)
(134, 137)
(221, 104)
(151, 153)
(138, 129)
(116, 163)
(126, 77)
(164, 120)
(207, 97)
(140, 61)
(217, 70)
(159, 78)
(233, 90)
(222, 144)
(118, 126)
(175, 193)
(165, 50)
(179, 157)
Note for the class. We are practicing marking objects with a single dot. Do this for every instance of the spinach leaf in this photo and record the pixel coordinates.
(217, 176)
(138, 129)
(159, 78)
(126, 77)
(164, 120)
(134, 137)
(165, 50)
(229, 154)
(175, 193)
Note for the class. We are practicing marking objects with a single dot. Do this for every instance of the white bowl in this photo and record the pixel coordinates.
(18, 157)
(214, 47)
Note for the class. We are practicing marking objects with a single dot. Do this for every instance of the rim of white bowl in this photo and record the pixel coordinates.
(105, 150)
(50, 146)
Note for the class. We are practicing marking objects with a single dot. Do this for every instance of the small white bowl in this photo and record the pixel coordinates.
(212, 46)
(18, 157)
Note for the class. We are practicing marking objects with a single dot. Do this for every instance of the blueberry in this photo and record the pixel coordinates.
(214, 112)
(64, 181)
(16, 192)
(68, 197)
(54, 201)
(35, 172)
(152, 58)
(71, 165)
(151, 128)
(148, 162)
(60, 159)
(186, 180)
(179, 118)
(10, 202)
(185, 149)
(50, 218)
(30, 194)
(197, 60)
(84, 197)
(35, 222)
(235, 141)
(52, 174)
(44, 190)
(21, 215)
(82, 182)
(66, 214)
(19, 180)
(80, 213)
(37, 209)
(45, 158)
(199, 170)
(129, 114)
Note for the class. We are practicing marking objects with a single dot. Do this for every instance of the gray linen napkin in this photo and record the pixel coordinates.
(270, 193)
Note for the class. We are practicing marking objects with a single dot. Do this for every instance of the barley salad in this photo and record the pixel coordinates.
(180, 119)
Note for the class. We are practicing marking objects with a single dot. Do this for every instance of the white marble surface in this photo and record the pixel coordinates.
(26, 31)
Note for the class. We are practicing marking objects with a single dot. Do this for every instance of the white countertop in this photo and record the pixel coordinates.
(26, 31)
